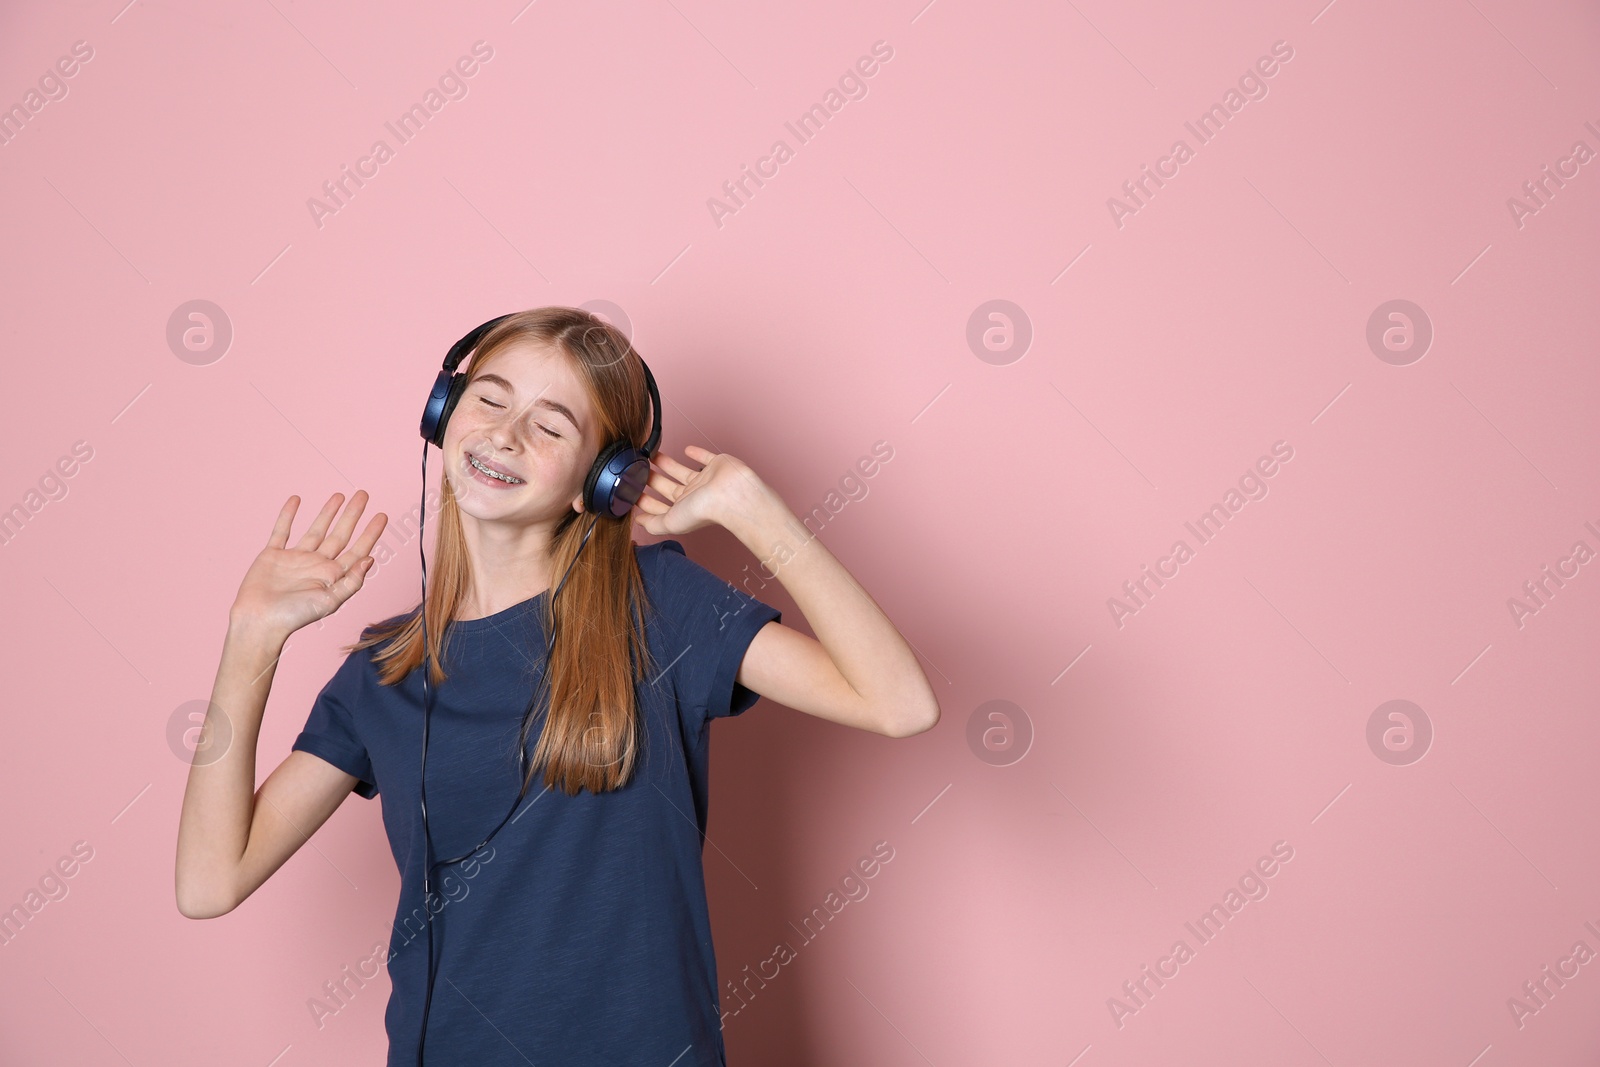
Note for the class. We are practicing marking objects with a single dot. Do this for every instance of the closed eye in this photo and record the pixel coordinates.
(492, 404)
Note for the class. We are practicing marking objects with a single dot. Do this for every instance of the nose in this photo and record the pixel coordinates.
(500, 433)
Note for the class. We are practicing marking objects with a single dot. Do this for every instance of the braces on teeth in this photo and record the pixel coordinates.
(493, 474)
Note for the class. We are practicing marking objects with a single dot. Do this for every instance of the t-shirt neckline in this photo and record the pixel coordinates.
(500, 618)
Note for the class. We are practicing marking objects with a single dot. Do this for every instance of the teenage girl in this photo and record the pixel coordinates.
(570, 690)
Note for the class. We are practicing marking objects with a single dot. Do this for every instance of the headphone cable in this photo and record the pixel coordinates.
(522, 755)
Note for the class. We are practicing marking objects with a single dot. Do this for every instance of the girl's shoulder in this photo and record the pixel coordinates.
(681, 582)
(651, 555)
(382, 634)
(657, 566)
(667, 568)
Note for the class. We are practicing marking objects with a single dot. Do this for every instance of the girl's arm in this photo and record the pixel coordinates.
(231, 837)
(858, 671)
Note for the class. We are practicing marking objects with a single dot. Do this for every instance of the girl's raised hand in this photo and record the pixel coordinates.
(722, 488)
(287, 588)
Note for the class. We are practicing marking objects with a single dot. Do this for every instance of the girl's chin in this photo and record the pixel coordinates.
(500, 507)
(494, 515)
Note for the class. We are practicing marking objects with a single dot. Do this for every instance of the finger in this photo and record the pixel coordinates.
(666, 487)
(349, 583)
(280, 529)
(334, 542)
(368, 538)
(677, 470)
(375, 530)
(651, 505)
(313, 537)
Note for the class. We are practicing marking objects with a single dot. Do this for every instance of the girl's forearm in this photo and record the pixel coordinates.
(219, 799)
(864, 645)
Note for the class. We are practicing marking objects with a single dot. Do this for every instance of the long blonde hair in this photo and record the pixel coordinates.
(590, 736)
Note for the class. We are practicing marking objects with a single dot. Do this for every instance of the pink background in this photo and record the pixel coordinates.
(830, 312)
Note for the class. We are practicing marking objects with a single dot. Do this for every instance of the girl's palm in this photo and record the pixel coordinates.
(289, 587)
(694, 498)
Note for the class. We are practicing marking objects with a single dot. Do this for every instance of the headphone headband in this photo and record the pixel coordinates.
(461, 348)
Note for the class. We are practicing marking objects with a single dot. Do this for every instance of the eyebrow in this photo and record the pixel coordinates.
(490, 378)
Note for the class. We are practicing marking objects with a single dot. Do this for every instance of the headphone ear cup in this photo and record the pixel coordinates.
(597, 486)
(616, 481)
(633, 474)
(458, 386)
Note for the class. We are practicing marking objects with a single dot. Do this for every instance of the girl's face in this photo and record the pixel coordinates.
(526, 416)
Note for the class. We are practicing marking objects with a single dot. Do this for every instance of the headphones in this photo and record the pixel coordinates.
(620, 471)
(613, 485)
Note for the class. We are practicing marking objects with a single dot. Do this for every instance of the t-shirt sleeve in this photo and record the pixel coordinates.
(330, 731)
(709, 626)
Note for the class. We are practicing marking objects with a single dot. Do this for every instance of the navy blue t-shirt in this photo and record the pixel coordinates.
(580, 934)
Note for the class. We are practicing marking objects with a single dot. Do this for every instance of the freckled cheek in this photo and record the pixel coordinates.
(463, 423)
(554, 467)
(474, 422)
(472, 417)
(552, 464)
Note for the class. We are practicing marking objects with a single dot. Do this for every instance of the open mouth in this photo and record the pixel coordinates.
(492, 472)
